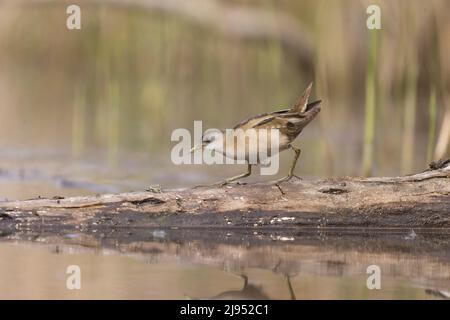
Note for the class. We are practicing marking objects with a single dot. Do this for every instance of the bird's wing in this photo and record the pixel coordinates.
(288, 123)
(253, 121)
(272, 122)
(288, 117)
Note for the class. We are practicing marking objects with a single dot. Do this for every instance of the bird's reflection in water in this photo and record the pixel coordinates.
(252, 291)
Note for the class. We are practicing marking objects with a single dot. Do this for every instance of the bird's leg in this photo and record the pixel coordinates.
(291, 174)
(288, 277)
(291, 289)
(297, 151)
(240, 176)
(229, 180)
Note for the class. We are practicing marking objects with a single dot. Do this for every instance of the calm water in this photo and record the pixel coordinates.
(308, 265)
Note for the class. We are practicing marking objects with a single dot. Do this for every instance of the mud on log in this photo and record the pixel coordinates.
(414, 201)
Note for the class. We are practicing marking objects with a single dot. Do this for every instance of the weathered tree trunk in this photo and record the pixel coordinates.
(421, 200)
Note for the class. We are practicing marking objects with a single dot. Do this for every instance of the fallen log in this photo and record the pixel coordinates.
(414, 201)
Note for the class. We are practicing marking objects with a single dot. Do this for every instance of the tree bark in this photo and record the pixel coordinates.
(414, 201)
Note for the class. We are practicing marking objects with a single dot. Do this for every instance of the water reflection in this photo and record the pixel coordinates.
(182, 265)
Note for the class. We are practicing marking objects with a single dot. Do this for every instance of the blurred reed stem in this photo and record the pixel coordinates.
(113, 119)
(370, 101)
(78, 122)
(410, 72)
(431, 124)
(443, 141)
(409, 121)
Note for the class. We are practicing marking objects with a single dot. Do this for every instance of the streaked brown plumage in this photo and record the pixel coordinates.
(290, 123)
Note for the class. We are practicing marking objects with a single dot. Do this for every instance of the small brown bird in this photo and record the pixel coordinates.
(289, 122)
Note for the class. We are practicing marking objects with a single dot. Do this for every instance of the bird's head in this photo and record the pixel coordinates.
(212, 139)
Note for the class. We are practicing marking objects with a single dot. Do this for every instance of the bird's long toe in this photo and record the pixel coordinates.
(286, 179)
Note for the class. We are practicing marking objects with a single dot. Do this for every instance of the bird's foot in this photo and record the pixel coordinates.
(286, 179)
(156, 188)
(207, 185)
(216, 184)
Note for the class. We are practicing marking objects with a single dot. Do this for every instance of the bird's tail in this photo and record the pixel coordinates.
(302, 103)
(310, 112)
(313, 106)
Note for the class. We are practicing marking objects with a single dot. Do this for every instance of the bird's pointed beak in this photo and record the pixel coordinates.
(196, 147)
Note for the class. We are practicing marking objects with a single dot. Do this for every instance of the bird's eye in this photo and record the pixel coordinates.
(208, 139)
